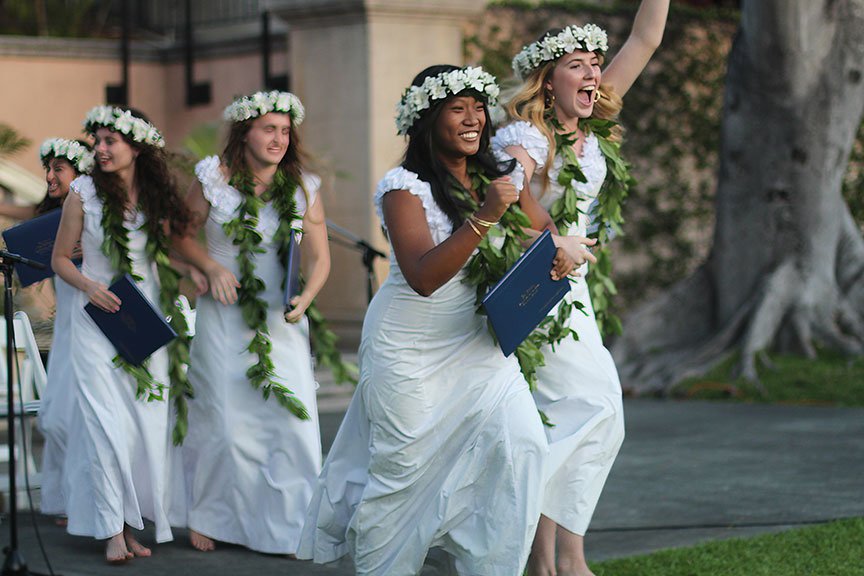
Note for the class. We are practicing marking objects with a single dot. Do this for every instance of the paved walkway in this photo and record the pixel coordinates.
(688, 472)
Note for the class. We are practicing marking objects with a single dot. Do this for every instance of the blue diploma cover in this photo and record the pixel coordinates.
(137, 329)
(525, 295)
(292, 270)
(34, 239)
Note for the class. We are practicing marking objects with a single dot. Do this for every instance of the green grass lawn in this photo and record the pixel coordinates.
(829, 380)
(832, 549)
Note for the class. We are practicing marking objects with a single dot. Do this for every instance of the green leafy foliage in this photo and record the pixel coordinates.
(115, 246)
(244, 234)
(10, 141)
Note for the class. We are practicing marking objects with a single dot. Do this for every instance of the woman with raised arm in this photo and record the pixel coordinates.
(441, 445)
(563, 123)
(115, 472)
(63, 160)
(254, 451)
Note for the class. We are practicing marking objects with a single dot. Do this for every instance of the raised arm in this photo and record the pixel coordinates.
(316, 256)
(645, 37)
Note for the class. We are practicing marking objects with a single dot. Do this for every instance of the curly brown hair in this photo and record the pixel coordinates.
(158, 196)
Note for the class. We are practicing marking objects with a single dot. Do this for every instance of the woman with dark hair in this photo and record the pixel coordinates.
(63, 160)
(254, 449)
(115, 473)
(441, 445)
(564, 124)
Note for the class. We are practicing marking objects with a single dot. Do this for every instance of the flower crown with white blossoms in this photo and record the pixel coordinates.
(261, 103)
(589, 38)
(419, 98)
(78, 155)
(123, 121)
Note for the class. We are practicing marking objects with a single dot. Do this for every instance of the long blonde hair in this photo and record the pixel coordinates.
(531, 102)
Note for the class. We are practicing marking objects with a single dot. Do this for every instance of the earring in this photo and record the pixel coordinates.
(596, 96)
(550, 99)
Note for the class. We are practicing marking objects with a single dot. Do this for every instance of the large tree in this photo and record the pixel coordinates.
(786, 270)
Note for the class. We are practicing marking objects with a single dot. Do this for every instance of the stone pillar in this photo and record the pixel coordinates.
(350, 60)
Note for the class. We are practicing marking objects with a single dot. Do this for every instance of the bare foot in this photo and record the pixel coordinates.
(135, 548)
(116, 551)
(201, 542)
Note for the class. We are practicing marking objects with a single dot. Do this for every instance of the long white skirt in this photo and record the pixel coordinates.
(249, 464)
(117, 452)
(579, 391)
(441, 445)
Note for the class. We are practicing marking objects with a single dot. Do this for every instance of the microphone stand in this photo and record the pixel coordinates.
(14, 563)
(351, 240)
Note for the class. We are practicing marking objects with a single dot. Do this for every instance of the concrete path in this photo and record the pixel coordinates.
(688, 472)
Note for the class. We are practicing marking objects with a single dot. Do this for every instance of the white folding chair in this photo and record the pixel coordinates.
(31, 373)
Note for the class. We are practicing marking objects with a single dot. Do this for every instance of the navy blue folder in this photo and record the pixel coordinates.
(525, 295)
(292, 270)
(137, 329)
(34, 239)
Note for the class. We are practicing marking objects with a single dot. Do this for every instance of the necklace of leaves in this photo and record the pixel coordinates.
(115, 246)
(490, 263)
(244, 234)
(606, 213)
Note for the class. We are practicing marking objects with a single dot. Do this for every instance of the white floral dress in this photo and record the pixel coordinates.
(115, 470)
(578, 387)
(441, 445)
(249, 464)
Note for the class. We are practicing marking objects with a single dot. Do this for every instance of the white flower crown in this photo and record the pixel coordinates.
(590, 38)
(123, 121)
(80, 157)
(418, 98)
(261, 103)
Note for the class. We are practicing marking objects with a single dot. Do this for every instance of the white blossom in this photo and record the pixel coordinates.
(417, 98)
(590, 38)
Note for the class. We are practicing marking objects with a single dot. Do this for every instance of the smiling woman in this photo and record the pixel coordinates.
(115, 473)
(441, 445)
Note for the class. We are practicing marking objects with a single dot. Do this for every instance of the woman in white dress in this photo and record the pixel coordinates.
(254, 450)
(115, 470)
(578, 387)
(441, 445)
(63, 160)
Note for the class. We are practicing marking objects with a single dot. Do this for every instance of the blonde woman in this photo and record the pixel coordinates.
(563, 88)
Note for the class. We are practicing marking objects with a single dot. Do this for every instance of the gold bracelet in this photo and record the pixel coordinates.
(480, 222)
(474, 228)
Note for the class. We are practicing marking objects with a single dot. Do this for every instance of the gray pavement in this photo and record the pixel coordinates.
(687, 472)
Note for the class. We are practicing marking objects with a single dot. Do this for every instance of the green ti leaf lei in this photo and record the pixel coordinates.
(115, 246)
(244, 234)
(607, 212)
(490, 263)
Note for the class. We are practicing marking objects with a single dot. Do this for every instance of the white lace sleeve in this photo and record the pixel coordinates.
(401, 179)
(85, 189)
(525, 135)
(312, 185)
(217, 191)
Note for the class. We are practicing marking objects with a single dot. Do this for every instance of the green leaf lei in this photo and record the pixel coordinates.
(242, 230)
(607, 212)
(115, 246)
(490, 263)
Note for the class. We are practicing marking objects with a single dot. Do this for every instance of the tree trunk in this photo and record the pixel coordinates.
(787, 264)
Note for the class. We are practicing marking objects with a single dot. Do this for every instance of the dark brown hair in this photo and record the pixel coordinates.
(157, 190)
